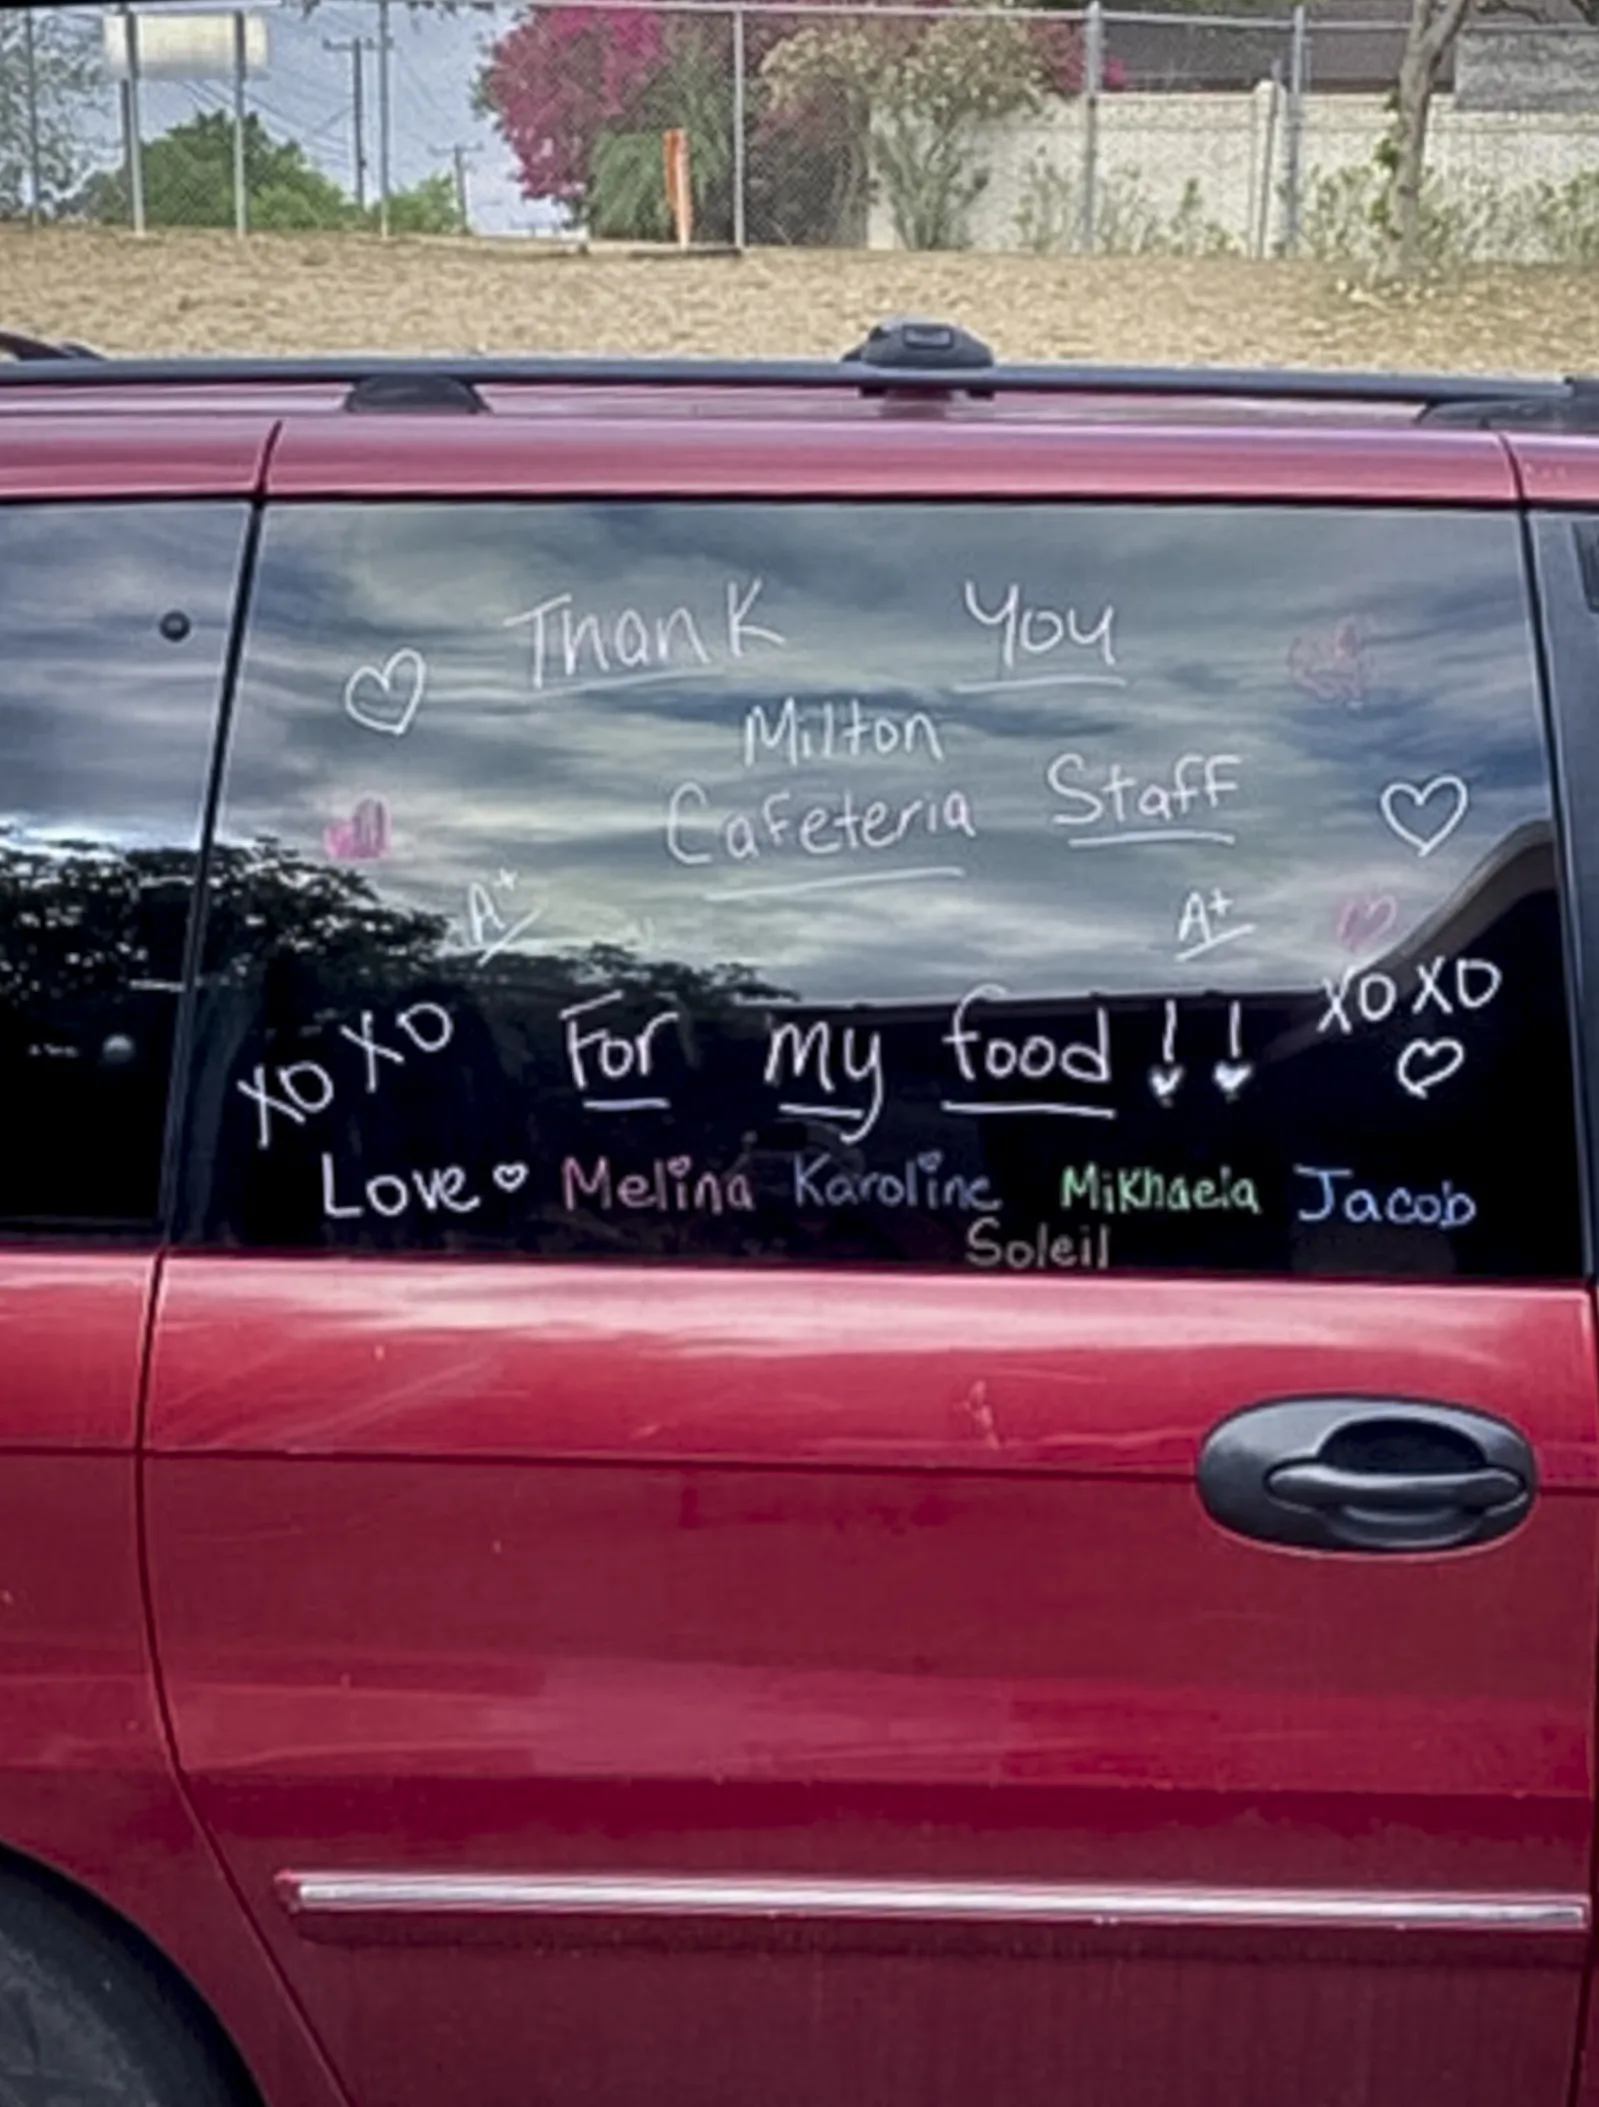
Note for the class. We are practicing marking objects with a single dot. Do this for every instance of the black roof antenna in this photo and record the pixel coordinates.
(908, 344)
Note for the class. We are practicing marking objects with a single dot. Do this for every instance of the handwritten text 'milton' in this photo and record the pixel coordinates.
(795, 733)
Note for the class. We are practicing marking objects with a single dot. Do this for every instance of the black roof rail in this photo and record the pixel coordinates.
(1462, 398)
(31, 349)
(1573, 408)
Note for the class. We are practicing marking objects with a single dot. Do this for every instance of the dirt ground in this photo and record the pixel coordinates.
(283, 293)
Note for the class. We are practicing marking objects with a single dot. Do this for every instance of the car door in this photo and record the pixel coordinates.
(1559, 478)
(878, 1384)
(119, 568)
(106, 740)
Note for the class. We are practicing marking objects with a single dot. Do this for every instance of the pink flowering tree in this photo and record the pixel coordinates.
(560, 80)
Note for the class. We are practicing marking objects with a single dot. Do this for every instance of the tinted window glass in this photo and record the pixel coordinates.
(1035, 888)
(113, 632)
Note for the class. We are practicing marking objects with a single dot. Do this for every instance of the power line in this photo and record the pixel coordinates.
(421, 92)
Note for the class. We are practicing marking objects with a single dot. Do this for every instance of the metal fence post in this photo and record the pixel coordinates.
(740, 230)
(132, 145)
(30, 90)
(241, 206)
(383, 118)
(1260, 233)
(1294, 132)
(1093, 85)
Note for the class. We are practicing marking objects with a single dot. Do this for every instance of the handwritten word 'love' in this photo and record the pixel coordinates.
(391, 1194)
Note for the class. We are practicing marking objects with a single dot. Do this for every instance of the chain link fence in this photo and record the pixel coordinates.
(728, 123)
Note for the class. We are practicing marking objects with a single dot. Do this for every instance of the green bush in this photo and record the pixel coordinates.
(1126, 220)
(1464, 219)
(429, 207)
(1048, 219)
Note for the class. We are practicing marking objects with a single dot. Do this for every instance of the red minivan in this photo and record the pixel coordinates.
(798, 1229)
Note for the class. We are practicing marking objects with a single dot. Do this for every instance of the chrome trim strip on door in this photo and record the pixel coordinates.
(333, 1895)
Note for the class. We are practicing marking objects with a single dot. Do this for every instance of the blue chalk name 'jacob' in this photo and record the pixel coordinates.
(1336, 1197)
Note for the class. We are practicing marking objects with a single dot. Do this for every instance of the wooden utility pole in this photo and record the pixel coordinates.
(460, 154)
(355, 46)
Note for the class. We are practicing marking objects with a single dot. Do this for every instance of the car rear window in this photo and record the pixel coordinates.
(1004, 887)
(114, 626)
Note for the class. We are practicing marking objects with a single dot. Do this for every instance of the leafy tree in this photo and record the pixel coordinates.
(1432, 35)
(67, 78)
(559, 81)
(188, 181)
(914, 95)
(429, 207)
(900, 100)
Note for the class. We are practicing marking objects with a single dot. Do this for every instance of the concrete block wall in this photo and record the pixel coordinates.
(1152, 147)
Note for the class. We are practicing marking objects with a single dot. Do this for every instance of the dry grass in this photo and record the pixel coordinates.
(205, 292)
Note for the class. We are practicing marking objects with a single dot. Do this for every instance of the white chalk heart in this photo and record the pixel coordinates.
(386, 698)
(1165, 1082)
(1414, 797)
(510, 1177)
(1231, 1076)
(1425, 1063)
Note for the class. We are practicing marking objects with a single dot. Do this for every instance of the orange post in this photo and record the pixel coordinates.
(679, 189)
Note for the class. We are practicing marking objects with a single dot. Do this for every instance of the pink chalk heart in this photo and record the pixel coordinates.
(1366, 920)
(363, 837)
(1333, 666)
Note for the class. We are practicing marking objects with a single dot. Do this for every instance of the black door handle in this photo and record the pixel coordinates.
(1323, 1485)
(1363, 1474)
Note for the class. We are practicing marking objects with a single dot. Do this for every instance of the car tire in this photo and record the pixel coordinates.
(88, 2019)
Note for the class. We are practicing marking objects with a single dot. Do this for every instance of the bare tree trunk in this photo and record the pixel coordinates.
(1435, 25)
